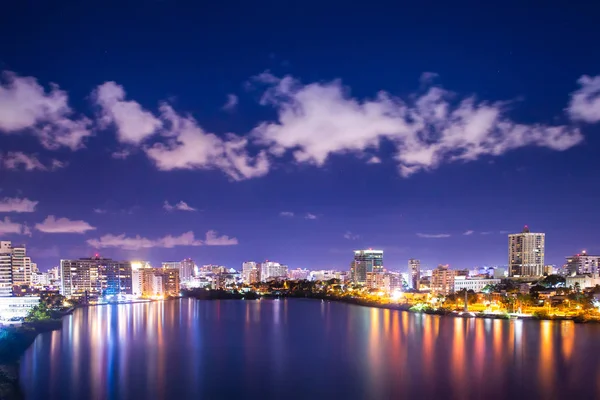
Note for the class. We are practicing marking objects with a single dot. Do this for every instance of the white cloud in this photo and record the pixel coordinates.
(232, 101)
(433, 236)
(469, 232)
(18, 205)
(134, 124)
(181, 206)
(169, 241)
(26, 106)
(100, 211)
(486, 233)
(286, 214)
(350, 236)
(213, 239)
(374, 160)
(9, 227)
(16, 160)
(503, 232)
(585, 102)
(320, 119)
(310, 216)
(188, 146)
(63, 225)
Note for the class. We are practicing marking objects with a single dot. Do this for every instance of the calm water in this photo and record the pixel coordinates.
(189, 349)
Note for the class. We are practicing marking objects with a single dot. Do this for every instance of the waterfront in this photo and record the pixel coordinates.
(298, 348)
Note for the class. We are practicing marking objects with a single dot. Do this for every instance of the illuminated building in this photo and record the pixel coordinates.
(414, 267)
(40, 279)
(11, 307)
(5, 269)
(327, 274)
(21, 266)
(250, 272)
(585, 281)
(160, 281)
(526, 253)
(186, 269)
(115, 278)
(95, 277)
(474, 284)
(549, 269)
(270, 270)
(298, 274)
(442, 280)
(374, 280)
(365, 261)
(583, 263)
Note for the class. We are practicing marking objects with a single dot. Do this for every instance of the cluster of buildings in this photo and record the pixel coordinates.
(89, 279)
(526, 262)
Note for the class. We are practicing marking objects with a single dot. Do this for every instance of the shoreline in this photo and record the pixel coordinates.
(578, 319)
(14, 342)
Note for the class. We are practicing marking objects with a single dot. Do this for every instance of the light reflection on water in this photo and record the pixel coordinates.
(302, 349)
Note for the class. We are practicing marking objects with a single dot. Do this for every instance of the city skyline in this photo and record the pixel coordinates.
(240, 148)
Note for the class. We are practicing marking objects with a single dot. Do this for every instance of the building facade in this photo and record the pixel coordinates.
(186, 270)
(250, 272)
(474, 284)
(583, 263)
(365, 261)
(442, 280)
(414, 268)
(21, 266)
(270, 270)
(95, 277)
(5, 269)
(585, 281)
(298, 274)
(526, 253)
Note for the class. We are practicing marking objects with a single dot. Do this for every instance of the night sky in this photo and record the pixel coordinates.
(238, 131)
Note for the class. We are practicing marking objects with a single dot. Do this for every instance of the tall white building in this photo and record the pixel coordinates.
(5, 269)
(414, 267)
(21, 266)
(137, 277)
(186, 270)
(272, 270)
(526, 253)
(250, 272)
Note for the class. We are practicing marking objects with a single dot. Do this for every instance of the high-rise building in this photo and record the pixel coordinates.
(160, 282)
(250, 272)
(526, 253)
(298, 274)
(95, 277)
(115, 278)
(272, 270)
(186, 270)
(583, 263)
(365, 261)
(5, 269)
(21, 266)
(137, 277)
(414, 267)
(442, 280)
(374, 280)
(170, 278)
